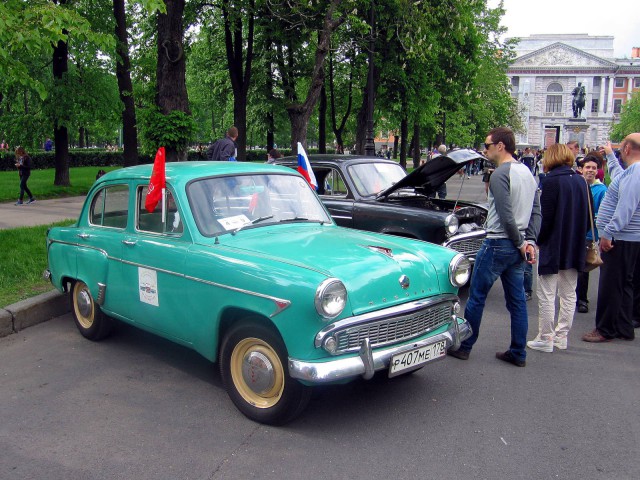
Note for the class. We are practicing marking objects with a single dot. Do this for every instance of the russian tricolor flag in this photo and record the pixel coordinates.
(304, 167)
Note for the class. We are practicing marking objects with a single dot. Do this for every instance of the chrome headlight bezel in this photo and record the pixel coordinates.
(459, 270)
(330, 298)
(451, 224)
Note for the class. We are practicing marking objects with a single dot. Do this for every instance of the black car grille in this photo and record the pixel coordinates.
(396, 329)
(469, 246)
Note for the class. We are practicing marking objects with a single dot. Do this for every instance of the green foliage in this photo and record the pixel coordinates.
(23, 259)
(629, 119)
(172, 130)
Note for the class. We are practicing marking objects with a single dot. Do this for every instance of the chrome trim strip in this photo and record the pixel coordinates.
(353, 366)
(281, 303)
(482, 233)
(101, 291)
(404, 309)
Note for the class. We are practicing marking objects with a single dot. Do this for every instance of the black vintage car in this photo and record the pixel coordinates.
(370, 193)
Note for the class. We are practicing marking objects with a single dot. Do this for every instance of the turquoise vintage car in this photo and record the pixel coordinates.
(244, 265)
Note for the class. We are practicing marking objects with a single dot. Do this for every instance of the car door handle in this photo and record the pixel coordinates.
(129, 242)
(83, 236)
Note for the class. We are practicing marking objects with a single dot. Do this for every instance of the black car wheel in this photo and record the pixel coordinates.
(253, 365)
(92, 323)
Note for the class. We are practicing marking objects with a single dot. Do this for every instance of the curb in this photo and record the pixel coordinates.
(32, 311)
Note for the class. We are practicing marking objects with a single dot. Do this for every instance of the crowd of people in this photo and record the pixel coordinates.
(547, 223)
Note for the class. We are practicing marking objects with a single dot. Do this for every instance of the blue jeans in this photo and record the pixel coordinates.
(499, 258)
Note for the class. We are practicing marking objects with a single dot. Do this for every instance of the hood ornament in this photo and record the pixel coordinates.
(404, 282)
(383, 250)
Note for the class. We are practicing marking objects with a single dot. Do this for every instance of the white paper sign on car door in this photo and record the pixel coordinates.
(148, 286)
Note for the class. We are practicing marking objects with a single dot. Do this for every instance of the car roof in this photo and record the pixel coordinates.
(337, 158)
(186, 171)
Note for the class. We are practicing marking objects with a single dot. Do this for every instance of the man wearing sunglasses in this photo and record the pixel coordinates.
(512, 225)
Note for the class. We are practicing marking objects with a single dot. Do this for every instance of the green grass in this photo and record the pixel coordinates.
(23, 258)
(41, 183)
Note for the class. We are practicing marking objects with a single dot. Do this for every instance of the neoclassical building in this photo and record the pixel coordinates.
(546, 71)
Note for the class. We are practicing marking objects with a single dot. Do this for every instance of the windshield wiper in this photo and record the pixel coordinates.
(252, 222)
(301, 219)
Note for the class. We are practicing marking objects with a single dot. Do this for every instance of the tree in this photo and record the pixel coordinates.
(629, 119)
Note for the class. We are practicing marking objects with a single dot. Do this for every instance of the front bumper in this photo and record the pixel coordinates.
(368, 361)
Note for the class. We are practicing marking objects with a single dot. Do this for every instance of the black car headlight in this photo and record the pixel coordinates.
(331, 298)
(451, 224)
(459, 270)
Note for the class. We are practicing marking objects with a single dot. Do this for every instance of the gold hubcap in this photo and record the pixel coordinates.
(83, 305)
(257, 372)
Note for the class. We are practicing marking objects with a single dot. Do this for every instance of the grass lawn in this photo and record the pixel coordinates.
(41, 183)
(23, 257)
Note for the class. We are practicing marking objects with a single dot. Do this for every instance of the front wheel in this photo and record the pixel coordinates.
(253, 366)
(91, 322)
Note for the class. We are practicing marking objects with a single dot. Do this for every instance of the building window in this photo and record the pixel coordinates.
(596, 81)
(619, 82)
(594, 105)
(554, 103)
(617, 105)
(554, 87)
(515, 81)
(636, 82)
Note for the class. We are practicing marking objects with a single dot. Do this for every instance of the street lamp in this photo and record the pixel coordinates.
(369, 145)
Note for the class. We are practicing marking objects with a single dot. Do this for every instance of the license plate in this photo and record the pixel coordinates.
(412, 359)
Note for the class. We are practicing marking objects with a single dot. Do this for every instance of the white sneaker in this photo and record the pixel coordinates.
(560, 343)
(541, 345)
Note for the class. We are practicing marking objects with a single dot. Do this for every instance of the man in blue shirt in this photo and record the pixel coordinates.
(618, 225)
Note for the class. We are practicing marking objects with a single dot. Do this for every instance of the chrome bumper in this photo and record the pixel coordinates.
(368, 361)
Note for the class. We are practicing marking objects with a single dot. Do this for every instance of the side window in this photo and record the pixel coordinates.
(333, 184)
(152, 222)
(110, 207)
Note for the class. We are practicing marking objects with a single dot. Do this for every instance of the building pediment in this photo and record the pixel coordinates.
(560, 55)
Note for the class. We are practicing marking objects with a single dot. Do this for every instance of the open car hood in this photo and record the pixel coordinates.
(429, 177)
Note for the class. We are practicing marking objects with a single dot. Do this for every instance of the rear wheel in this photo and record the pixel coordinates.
(91, 322)
(253, 365)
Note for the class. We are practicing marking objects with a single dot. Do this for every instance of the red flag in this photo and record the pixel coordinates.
(157, 182)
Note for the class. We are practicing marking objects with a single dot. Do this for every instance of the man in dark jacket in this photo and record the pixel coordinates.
(225, 148)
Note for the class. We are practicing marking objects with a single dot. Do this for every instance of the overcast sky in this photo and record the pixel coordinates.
(618, 18)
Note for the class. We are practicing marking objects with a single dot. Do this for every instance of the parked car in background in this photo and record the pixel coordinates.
(245, 266)
(374, 194)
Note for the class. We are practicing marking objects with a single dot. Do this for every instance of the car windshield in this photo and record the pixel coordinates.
(233, 203)
(372, 177)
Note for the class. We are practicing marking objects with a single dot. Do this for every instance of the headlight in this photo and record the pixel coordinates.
(451, 224)
(331, 298)
(459, 270)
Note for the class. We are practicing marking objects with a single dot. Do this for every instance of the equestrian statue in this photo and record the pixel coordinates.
(579, 96)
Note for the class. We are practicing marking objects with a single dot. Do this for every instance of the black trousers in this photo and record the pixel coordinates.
(614, 312)
(582, 288)
(24, 188)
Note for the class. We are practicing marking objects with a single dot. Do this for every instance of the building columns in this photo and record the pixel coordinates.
(601, 100)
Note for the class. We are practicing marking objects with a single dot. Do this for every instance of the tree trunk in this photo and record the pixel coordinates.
(404, 133)
(396, 140)
(322, 121)
(361, 125)
(81, 137)
(239, 68)
(337, 130)
(171, 88)
(60, 134)
(299, 114)
(416, 145)
(123, 74)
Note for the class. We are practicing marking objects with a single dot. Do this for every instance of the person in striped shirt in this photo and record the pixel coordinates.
(618, 225)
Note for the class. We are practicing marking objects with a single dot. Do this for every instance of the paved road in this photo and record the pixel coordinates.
(137, 407)
(42, 212)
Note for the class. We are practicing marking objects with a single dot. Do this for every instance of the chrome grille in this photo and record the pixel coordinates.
(395, 329)
(469, 246)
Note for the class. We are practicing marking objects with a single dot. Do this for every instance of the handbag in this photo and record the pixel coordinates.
(593, 259)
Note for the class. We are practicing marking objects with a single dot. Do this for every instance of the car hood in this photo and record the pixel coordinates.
(370, 265)
(429, 177)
